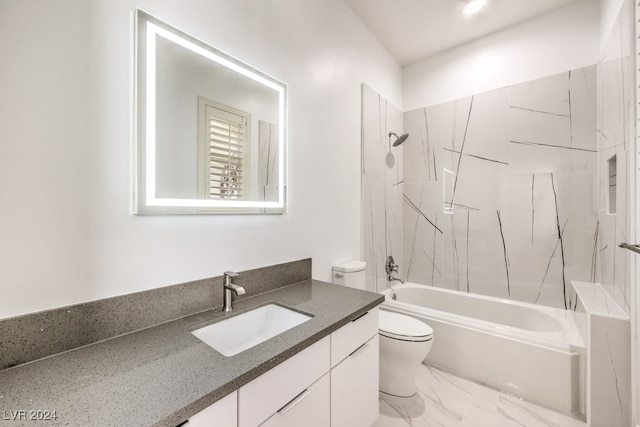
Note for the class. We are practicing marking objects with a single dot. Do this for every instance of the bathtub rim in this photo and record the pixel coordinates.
(565, 340)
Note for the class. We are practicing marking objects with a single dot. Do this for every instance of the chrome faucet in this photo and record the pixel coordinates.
(392, 267)
(229, 286)
(391, 279)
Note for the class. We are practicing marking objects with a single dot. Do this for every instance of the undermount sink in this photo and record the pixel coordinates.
(241, 332)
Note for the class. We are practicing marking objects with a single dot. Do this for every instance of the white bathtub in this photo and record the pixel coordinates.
(534, 352)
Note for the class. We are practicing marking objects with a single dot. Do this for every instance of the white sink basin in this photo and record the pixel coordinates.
(238, 333)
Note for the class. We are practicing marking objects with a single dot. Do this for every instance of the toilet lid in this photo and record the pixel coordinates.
(402, 327)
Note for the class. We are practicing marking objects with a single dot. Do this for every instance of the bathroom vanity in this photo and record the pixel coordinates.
(325, 369)
(333, 382)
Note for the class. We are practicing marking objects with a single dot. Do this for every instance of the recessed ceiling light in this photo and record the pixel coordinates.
(473, 7)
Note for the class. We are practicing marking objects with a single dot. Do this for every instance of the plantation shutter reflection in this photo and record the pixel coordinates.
(226, 154)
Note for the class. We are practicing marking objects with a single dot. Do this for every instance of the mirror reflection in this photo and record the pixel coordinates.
(211, 132)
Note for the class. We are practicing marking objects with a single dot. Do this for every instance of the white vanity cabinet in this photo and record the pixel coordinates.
(278, 391)
(355, 372)
(332, 383)
(222, 413)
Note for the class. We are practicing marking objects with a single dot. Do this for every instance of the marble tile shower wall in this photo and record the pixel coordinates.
(500, 190)
(382, 189)
(616, 119)
(510, 193)
(515, 192)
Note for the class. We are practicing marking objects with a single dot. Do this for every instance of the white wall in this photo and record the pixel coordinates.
(66, 232)
(566, 39)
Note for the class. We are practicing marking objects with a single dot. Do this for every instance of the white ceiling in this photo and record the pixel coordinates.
(412, 30)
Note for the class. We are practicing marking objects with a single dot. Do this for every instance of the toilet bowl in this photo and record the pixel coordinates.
(404, 341)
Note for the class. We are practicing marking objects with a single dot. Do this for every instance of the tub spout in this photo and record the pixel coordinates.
(391, 279)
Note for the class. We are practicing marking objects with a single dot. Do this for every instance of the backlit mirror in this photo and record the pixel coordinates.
(210, 129)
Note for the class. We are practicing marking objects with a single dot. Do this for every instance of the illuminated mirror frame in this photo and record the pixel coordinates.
(145, 199)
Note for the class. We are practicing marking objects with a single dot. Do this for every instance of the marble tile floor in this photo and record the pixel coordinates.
(446, 400)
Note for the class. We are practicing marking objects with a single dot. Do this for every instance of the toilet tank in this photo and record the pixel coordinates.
(351, 274)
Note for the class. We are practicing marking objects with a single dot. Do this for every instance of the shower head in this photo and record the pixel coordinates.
(399, 139)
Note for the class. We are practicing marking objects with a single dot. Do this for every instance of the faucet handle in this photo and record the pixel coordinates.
(391, 266)
(231, 274)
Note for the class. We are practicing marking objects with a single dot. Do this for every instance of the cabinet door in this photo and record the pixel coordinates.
(222, 413)
(354, 388)
(262, 397)
(309, 409)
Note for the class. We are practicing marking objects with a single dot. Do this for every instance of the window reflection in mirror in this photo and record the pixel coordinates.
(210, 129)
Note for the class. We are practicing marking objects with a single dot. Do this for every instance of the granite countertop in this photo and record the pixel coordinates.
(160, 376)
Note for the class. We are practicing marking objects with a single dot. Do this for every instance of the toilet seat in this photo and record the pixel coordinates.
(402, 327)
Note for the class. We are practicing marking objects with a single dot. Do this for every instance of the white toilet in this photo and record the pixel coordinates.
(404, 341)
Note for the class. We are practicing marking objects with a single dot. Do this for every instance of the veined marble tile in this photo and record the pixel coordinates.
(534, 246)
(552, 123)
(393, 226)
(594, 299)
(394, 180)
(607, 249)
(540, 128)
(548, 95)
(616, 226)
(486, 134)
(622, 281)
(477, 183)
(454, 251)
(454, 119)
(421, 152)
(526, 158)
(478, 163)
(614, 103)
(446, 400)
(379, 118)
(615, 83)
(382, 180)
(557, 110)
(576, 200)
(373, 231)
(612, 267)
(476, 255)
(584, 122)
(609, 366)
(373, 154)
(422, 217)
